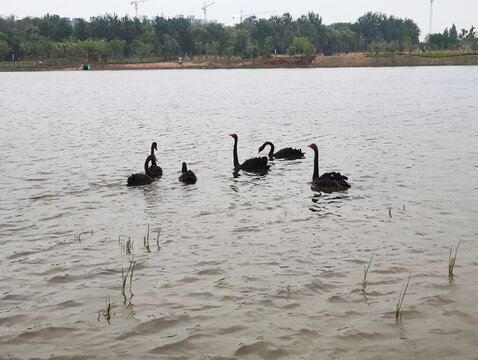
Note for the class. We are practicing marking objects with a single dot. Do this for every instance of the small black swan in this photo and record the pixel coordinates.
(253, 164)
(285, 153)
(187, 176)
(142, 178)
(154, 169)
(332, 180)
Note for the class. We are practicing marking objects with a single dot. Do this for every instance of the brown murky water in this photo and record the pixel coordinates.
(256, 267)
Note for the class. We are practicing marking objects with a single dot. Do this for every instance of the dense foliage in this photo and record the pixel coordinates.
(451, 40)
(115, 38)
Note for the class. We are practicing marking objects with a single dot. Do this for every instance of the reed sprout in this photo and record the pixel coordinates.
(77, 236)
(398, 310)
(158, 232)
(452, 260)
(126, 246)
(108, 313)
(124, 277)
(390, 210)
(146, 240)
(365, 272)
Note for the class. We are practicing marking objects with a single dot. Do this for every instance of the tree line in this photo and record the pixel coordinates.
(452, 40)
(116, 38)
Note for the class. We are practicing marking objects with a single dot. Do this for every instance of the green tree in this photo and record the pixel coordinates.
(5, 50)
(80, 30)
(116, 48)
(268, 45)
(292, 50)
(376, 46)
(212, 48)
(253, 50)
(394, 46)
(54, 28)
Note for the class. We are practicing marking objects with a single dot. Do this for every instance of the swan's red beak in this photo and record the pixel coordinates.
(258, 151)
(309, 145)
(231, 134)
(155, 158)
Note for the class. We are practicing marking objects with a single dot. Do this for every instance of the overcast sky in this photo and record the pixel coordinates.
(464, 13)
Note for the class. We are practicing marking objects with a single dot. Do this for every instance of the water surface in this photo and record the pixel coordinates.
(249, 266)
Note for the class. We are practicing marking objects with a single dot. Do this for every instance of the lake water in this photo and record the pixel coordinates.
(248, 266)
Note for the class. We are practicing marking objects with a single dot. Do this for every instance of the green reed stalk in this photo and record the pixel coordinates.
(124, 277)
(157, 237)
(365, 272)
(132, 263)
(126, 246)
(146, 240)
(452, 260)
(398, 310)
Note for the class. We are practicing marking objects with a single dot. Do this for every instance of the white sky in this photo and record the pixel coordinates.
(464, 13)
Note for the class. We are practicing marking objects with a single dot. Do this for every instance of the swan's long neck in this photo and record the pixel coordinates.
(185, 168)
(236, 160)
(153, 162)
(146, 163)
(316, 164)
(271, 153)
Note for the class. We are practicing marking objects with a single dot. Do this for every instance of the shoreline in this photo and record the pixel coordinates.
(334, 61)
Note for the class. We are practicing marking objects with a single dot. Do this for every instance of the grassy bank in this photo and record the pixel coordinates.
(339, 60)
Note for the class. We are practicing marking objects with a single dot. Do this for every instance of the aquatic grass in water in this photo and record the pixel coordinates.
(398, 310)
(124, 277)
(77, 236)
(147, 237)
(126, 246)
(365, 272)
(452, 260)
(146, 240)
(158, 232)
(108, 313)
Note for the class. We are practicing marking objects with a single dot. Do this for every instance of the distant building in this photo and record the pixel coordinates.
(72, 21)
(193, 19)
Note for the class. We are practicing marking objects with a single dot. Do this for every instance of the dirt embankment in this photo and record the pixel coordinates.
(362, 60)
(341, 60)
(174, 65)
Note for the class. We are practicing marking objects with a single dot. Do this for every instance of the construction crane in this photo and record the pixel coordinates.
(430, 29)
(242, 16)
(135, 3)
(204, 8)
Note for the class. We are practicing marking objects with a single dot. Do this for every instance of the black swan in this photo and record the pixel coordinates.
(285, 153)
(332, 180)
(142, 178)
(187, 176)
(253, 164)
(154, 169)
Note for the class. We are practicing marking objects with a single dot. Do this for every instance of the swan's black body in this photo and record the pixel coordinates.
(332, 180)
(187, 176)
(285, 153)
(142, 178)
(154, 169)
(253, 164)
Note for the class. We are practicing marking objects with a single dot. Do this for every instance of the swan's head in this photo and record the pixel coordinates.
(154, 146)
(185, 168)
(261, 148)
(234, 136)
(312, 146)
